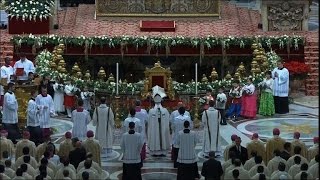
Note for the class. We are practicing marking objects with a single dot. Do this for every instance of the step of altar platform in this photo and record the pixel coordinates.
(6, 50)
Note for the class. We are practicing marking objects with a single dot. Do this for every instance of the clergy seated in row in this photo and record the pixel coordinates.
(274, 162)
(44, 167)
(95, 165)
(27, 171)
(5, 156)
(78, 154)
(25, 142)
(260, 173)
(313, 150)
(276, 142)
(297, 152)
(256, 145)
(297, 142)
(313, 161)
(226, 150)
(9, 169)
(3, 175)
(243, 174)
(228, 163)
(42, 148)
(240, 151)
(294, 169)
(59, 173)
(314, 169)
(286, 152)
(251, 162)
(93, 174)
(61, 165)
(26, 158)
(92, 145)
(281, 172)
(258, 162)
(5, 144)
(65, 146)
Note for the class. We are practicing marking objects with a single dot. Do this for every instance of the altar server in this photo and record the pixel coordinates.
(10, 113)
(65, 146)
(187, 158)
(142, 114)
(257, 146)
(86, 96)
(221, 101)
(69, 98)
(266, 107)
(103, 119)
(92, 146)
(6, 72)
(276, 142)
(176, 113)
(297, 142)
(158, 125)
(132, 118)
(80, 118)
(58, 99)
(25, 142)
(281, 88)
(249, 100)
(313, 150)
(45, 104)
(46, 82)
(177, 126)
(5, 144)
(211, 134)
(26, 65)
(33, 123)
(131, 144)
(235, 94)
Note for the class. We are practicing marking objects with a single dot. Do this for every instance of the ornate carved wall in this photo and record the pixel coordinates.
(284, 15)
(157, 7)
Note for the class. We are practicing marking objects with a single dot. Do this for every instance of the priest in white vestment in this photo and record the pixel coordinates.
(313, 150)
(45, 104)
(210, 120)
(131, 118)
(6, 72)
(86, 96)
(103, 119)
(158, 125)
(314, 169)
(58, 98)
(142, 114)
(80, 118)
(24, 64)
(33, 123)
(281, 88)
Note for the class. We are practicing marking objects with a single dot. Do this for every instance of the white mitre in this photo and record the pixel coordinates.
(157, 90)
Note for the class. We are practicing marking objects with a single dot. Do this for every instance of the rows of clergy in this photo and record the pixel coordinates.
(292, 154)
(57, 163)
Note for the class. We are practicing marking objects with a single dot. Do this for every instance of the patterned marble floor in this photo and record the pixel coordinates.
(162, 168)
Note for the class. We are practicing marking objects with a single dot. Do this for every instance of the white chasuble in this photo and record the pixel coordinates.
(80, 118)
(210, 121)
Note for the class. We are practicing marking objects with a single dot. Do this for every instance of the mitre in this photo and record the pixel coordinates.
(158, 90)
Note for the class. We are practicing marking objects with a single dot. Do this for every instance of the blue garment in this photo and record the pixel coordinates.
(234, 109)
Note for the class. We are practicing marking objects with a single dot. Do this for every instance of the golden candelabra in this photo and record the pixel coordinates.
(111, 78)
(204, 78)
(196, 112)
(228, 76)
(102, 74)
(117, 115)
(214, 74)
(87, 75)
(259, 57)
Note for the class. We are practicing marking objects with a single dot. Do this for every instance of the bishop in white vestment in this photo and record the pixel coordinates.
(45, 103)
(80, 118)
(281, 88)
(103, 119)
(158, 125)
(210, 121)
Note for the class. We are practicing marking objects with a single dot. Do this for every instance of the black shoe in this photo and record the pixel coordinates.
(224, 123)
(162, 155)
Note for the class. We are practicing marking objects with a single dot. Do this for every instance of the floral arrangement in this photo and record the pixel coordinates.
(2, 5)
(29, 9)
(158, 42)
(298, 70)
(272, 58)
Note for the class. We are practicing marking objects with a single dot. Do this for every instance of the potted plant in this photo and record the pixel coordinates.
(298, 72)
(29, 16)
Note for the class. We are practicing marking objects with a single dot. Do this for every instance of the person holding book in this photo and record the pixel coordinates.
(23, 67)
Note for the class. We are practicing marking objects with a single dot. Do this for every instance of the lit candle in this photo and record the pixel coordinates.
(117, 85)
(196, 78)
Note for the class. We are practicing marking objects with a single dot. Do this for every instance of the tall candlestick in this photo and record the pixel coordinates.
(117, 85)
(196, 78)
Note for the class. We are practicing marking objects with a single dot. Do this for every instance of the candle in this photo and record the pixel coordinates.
(196, 78)
(117, 85)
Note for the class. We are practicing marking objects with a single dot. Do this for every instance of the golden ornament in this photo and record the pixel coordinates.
(204, 78)
(228, 76)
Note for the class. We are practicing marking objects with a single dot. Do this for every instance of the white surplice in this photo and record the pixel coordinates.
(86, 97)
(281, 83)
(142, 114)
(178, 125)
(158, 133)
(6, 72)
(80, 121)
(10, 108)
(58, 97)
(210, 121)
(27, 66)
(45, 104)
(137, 122)
(104, 126)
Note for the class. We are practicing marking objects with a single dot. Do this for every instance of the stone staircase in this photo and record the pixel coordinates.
(311, 51)
(6, 50)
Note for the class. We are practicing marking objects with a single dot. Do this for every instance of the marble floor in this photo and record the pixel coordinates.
(301, 118)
